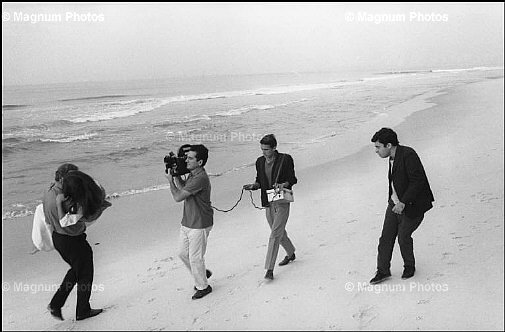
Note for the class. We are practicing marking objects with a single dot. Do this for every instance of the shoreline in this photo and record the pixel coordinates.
(346, 134)
(241, 300)
(305, 156)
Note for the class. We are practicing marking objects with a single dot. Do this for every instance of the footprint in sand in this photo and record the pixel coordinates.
(463, 246)
(365, 316)
(168, 259)
(109, 307)
(435, 276)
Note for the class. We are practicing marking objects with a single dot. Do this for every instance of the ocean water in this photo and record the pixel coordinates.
(119, 132)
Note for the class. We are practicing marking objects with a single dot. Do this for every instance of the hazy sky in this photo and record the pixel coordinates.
(48, 43)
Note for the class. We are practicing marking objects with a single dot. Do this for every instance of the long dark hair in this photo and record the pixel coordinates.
(82, 191)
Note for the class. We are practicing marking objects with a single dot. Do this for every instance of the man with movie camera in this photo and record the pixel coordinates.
(198, 216)
(276, 171)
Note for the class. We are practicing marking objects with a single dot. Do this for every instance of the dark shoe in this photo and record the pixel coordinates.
(201, 293)
(408, 272)
(269, 274)
(55, 312)
(91, 313)
(287, 259)
(380, 277)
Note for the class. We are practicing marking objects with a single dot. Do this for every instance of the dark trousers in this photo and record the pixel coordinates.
(76, 251)
(397, 225)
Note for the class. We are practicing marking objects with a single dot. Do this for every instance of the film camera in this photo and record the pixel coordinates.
(177, 164)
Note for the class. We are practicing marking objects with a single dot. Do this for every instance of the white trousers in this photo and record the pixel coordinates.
(192, 247)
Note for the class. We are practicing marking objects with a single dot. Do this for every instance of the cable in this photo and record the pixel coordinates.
(252, 201)
(240, 198)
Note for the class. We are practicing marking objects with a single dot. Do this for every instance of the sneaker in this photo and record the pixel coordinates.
(201, 293)
(91, 313)
(408, 272)
(269, 274)
(55, 312)
(380, 277)
(287, 259)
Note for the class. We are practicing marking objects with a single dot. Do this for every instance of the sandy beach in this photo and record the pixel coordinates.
(335, 224)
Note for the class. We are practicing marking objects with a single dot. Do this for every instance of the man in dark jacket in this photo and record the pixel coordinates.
(275, 170)
(409, 196)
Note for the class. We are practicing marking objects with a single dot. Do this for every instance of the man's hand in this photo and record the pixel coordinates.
(280, 186)
(398, 208)
(169, 176)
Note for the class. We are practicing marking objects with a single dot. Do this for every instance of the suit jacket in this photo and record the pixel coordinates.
(287, 173)
(410, 181)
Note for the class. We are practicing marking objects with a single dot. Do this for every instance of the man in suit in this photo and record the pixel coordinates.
(275, 170)
(409, 198)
